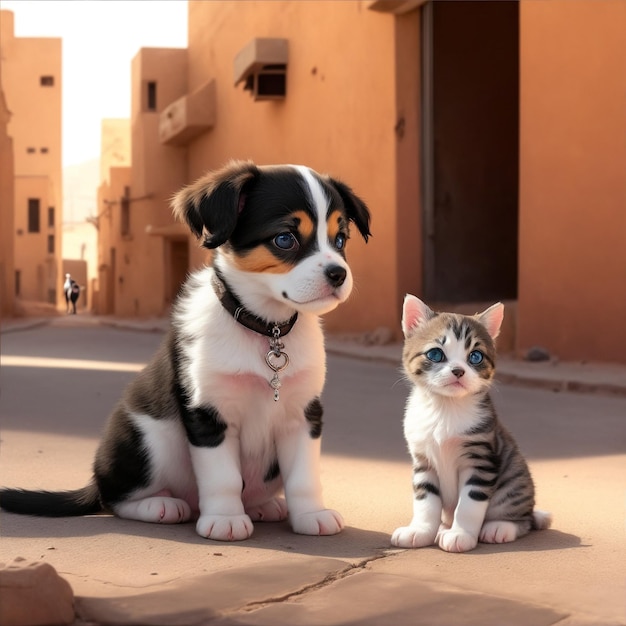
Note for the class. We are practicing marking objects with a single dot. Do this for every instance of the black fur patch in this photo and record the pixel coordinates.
(272, 473)
(205, 427)
(85, 501)
(356, 210)
(151, 391)
(270, 202)
(477, 481)
(479, 496)
(422, 489)
(122, 462)
(313, 413)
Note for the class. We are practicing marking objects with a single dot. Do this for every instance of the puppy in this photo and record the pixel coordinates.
(228, 413)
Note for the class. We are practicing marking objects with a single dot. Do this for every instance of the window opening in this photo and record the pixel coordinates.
(125, 213)
(152, 96)
(33, 215)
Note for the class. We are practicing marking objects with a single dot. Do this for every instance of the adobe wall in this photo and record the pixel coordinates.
(338, 117)
(572, 260)
(35, 127)
(157, 172)
(7, 229)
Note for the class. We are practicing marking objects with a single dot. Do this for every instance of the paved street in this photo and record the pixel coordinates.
(59, 383)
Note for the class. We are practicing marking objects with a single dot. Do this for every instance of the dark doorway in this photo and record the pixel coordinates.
(177, 268)
(471, 150)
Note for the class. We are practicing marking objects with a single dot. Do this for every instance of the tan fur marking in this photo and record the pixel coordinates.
(261, 260)
(334, 225)
(306, 227)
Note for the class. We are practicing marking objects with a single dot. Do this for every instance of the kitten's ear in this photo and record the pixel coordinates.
(414, 313)
(492, 318)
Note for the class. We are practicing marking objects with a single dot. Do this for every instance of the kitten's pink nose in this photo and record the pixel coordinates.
(458, 371)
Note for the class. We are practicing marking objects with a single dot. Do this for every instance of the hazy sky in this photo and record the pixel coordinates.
(100, 38)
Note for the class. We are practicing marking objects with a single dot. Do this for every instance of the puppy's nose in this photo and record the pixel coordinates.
(336, 275)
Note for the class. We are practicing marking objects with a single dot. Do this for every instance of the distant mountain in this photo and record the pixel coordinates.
(80, 190)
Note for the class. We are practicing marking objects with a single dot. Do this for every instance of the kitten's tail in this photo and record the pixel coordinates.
(541, 519)
(85, 501)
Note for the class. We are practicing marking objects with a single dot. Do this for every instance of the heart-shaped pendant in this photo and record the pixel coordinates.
(277, 361)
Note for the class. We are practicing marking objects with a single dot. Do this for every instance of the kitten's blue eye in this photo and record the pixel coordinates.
(286, 241)
(475, 357)
(436, 355)
(340, 241)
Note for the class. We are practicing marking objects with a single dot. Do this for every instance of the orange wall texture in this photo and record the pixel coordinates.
(113, 251)
(353, 109)
(35, 127)
(338, 117)
(572, 259)
(7, 228)
(157, 172)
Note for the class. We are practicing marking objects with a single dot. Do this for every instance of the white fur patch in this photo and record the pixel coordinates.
(170, 463)
(433, 425)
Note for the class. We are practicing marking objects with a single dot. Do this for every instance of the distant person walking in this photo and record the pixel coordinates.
(72, 290)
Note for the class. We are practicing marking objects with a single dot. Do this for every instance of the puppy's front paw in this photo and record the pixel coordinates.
(325, 522)
(159, 509)
(455, 540)
(413, 536)
(224, 527)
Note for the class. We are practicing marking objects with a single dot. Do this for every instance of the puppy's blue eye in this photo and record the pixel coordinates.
(340, 241)
(435, 355)
(475, 357)
(285, 241)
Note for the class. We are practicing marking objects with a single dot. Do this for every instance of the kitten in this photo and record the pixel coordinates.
(470, 480)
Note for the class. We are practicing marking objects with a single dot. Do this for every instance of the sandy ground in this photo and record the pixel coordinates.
(125, 572)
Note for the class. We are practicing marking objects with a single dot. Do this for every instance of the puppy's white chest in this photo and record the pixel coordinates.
(251, 393)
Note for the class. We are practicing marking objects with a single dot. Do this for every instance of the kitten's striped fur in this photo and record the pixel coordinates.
(470, 481)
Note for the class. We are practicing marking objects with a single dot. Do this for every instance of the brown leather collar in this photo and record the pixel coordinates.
(257, 324)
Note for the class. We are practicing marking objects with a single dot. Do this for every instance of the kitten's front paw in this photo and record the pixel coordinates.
(224, 527)
(498, 532)
(325, 522)
(274, 510)
(413, 537)
(454, 540)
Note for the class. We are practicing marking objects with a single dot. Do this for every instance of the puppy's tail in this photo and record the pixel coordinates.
(85, 501)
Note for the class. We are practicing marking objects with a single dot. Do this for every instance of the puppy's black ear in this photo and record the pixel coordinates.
(356, 209)
(212, 204)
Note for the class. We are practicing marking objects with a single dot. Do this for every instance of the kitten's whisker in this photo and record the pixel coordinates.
(402, 379)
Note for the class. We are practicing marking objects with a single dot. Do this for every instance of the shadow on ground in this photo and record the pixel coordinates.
(277, 536)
